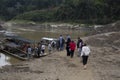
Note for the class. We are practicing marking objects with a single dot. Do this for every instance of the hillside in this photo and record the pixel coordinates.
(38, 15)
(80, 11)
(109, 27)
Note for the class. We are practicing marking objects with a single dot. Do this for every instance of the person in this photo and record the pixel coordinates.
(42, 49)
(72, 48)
(36, 50)
(84, 54)
(57, 45)
(25, 47)
(29, 52)
(61, 42)
(68, 37)
(49, 47)
(68, 46)
(79, 45)
(53, 44)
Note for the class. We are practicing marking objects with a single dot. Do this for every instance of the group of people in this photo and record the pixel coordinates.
(34, 50)
(83, 49)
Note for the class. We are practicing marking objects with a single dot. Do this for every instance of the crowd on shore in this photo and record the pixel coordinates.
(61, 44)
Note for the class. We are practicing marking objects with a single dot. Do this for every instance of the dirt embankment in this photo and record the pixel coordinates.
(109, 28)
(105, 56)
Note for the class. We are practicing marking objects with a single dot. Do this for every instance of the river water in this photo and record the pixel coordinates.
(7, 60)
(37, 34)
(52, 33)
(4, 60)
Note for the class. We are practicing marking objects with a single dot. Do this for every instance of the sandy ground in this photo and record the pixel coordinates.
(55, 66)
(105, 56)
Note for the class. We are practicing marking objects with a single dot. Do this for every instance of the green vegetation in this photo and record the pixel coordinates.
(79, 11)
(38, 15)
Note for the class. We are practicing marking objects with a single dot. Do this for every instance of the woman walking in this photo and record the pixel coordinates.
(85, 54)
(72, 48)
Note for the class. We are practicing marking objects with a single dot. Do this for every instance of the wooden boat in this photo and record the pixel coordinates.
(12, 45)
(17, 56)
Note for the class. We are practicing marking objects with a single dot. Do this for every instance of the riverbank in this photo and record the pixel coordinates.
(103, 63)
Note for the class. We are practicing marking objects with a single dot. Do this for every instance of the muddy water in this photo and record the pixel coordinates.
(7, 60)
(4, 60)
(53, 33)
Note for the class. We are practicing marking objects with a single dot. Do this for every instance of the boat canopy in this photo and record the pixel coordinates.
(12, 45)
(46, 40)
(49, 39)
(18, 38)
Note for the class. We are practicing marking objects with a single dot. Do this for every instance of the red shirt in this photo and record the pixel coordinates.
(72, 45)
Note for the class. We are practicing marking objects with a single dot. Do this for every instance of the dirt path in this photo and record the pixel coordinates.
(76, 71)
(55, 66)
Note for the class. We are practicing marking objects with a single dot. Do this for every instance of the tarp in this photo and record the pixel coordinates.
(12, 45)
(21, 39)
(49, 39)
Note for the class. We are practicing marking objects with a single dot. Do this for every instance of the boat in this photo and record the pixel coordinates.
(46, 40)
(15, 55)
(12, 45)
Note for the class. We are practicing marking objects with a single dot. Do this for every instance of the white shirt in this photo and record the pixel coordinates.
(80, 44)
(29, 50)
(49, 47)
(85, 51)
(43, 47)
(61, 39)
